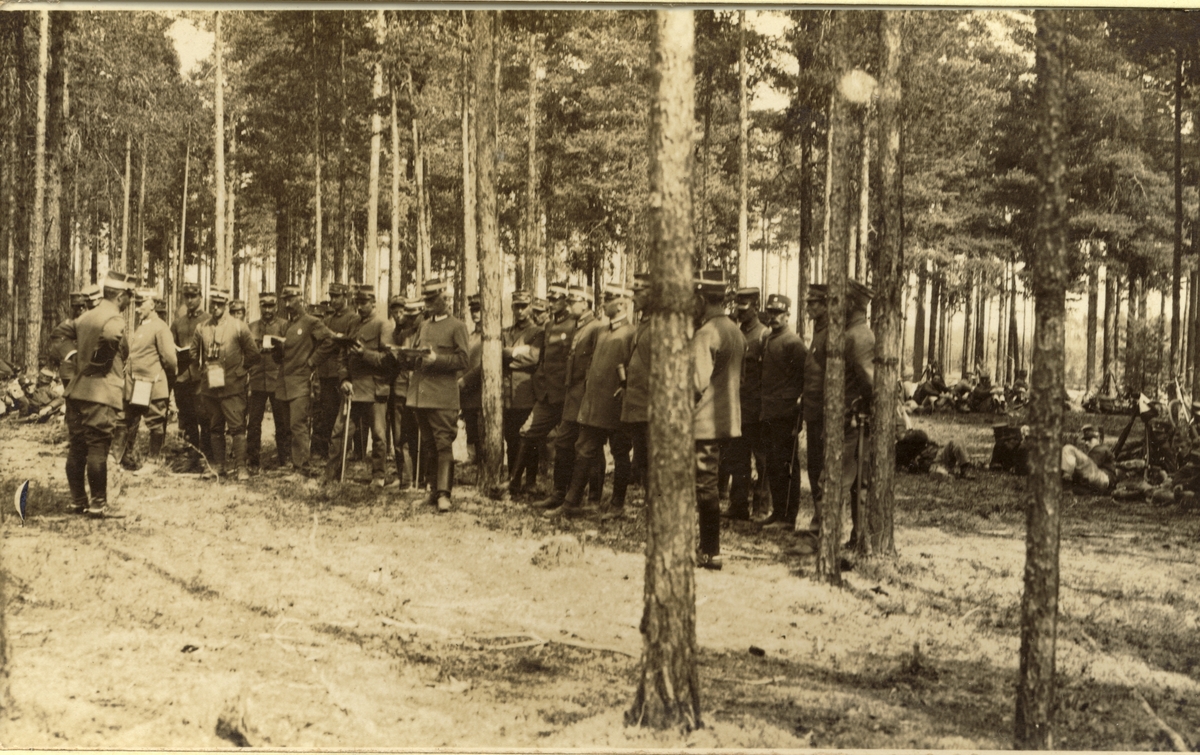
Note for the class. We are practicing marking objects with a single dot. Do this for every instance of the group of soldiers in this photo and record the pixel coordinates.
(403, 379)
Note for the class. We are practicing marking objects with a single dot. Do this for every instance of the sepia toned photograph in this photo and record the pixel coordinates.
(529, 377)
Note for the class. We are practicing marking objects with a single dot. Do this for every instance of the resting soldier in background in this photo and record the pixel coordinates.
(470, 386)
(520, 359)
(406, 315)
(549, 384)
(306, 344)
(636, 400)
(364, 372)
(62, 349)
(782, 385)
(737, 454)
(264, 382)
(149, 371)
(183, 328)
(433, 387)
(717, 352)
(225, 353)
(340, 318)
(860, 387)
(95, 396)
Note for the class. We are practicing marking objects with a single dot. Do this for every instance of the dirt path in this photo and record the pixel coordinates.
(342, 618)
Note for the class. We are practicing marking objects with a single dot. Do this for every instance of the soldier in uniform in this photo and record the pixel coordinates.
(860, 388)
(264, 382)
(553, 345)
(340, 318)
(520, 358)
(783, 357)
(237, 308)
(599, 415)
(635, 404)
(364, 372)
(739, 451)
(183, 329)
(225, 352)
(433, 387)
(406, 314)
(151, 361)
(62, 349)
(95, 395)
(717, 352)
(540, 309)
(306, 344)
(470, 386)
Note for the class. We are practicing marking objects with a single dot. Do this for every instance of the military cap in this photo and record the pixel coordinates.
(396, 301)
(365, 291)
(616, 291)
(432, 287)
(237, 305)
(190, 289)
(641, 281)
(118, 281)
(142, 294)
(474, 301)
(92, 291)
(859, 293)
(540, 304)
(817, 292)
(778, 303)
(290, 290)
(160, 304)
(580, 293)
(521, 297)
(319, 310)
(1089, 431)
(78, 298)
(218, 294)
(48, 373)
(338, 289)
(556, 291)
(267, 299)
(711, 282)
(747, 292)
(414, 306)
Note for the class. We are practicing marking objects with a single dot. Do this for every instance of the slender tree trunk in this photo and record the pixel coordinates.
(138, 268)
(668, 692)
(1039, 602)
(743, 157)
(231, 212)
(935, 295)
(1177, 258)
(371, 247)
(470, 236)
(340, 251)
(422, 269)
(918, 350)
(864, 203)
(126, 191)
(804, 257)
(822, 260)
(980, 354)
(1014, 342)
(56, 283)
(1110, 324)
(37, 236)
(187, 167)
(968, 324)
(395, 275)
(221, 275)
(1092, 312)
(888, 310)
(320, 272)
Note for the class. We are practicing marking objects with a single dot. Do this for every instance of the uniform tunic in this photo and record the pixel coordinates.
(226, 342)
(436, 386)
(601, 405)
(308, 345)
(264, 376)
(518, 371)
(264, 382)
(63, 350)
(782, 384)
(151, 357)
(717, 352)
(583, 345)
(751, 380)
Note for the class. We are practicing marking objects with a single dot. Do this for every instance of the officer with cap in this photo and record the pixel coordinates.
(470, 385)
(149, 372)
(783, 358)
(305, 345)
(94, 294)
(94, 396)
(225, 351)
(364, 374)
(237, 308)
(406, 316)
(340, 318)
(540, 309)
(635, 404)
(737, 455)
(520, 358)
(433, 387)
(549, 383)
(183, 330)
(599, 416)
(62, 349)
(718, 349)
(264, 383)
(860, 385)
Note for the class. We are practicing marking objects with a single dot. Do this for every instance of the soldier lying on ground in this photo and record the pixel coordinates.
(40, 401)
(917, 454)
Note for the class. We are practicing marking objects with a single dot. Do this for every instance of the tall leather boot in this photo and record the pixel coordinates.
(533, 459)
(596, 482)
(217, 443)
(572, 502)
(518, 467)
(157, 437)
(97, 477)
(445, 480)
(239, 457)
(117, 447)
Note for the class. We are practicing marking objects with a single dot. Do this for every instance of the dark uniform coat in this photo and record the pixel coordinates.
(402, 337)
(518, 371)
(601, 405)
(264, 376)
(717, 352)
(470, 393)
(308, 344)
(550, 379)
(63, 350)
(436, 386)
(339, 325)
(151, 357)
(636, 404)
(783, 360)
(860, 368)
(235, 350)
(751, 381)
(583, 345)
(100, 336)
(368, 371)
(183, 328)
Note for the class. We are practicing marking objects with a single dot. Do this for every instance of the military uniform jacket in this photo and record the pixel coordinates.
(151, 357)
(100, 336)
(754, 333)
(308, 344)
(636, 404)
(550, 379)
(369, 371)
(403, 338)
(518, 371)
(601, 405)
(583, 345)
(783, 359)
(62, 350)
(228, 342)
(339, 325)
(718, 349)
(436, 386)
(860, 368)
(264, 376)
(470, 390)
(184, 330)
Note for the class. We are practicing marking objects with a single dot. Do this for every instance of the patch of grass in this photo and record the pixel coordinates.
(53, 499)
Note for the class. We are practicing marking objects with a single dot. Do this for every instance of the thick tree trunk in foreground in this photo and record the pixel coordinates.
(37, 231)
(668, 692)
(888, 310)
(483, 25)
(1039, 602)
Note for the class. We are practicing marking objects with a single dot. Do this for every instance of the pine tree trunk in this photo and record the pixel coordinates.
(37, 235)
(422, 268)
(139, 249)
(1093, 302)
(56, 284)
(1177, 257)
(935, 295)
(395, 275)
(371, 247)
(187, 169)
(980, 353)
(918, 350)
(864, 203)
(743, 159)
(340, 253)
(888, 309)
(668, 692)
(484, 25)
(231, 213)
(1110, 325)
(804, 259)
(221, 275)
(470, 235)
(1039, 602)
(1017, 359)
(320, 273)
(968, 324)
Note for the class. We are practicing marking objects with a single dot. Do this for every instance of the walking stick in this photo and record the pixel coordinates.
(345, 440)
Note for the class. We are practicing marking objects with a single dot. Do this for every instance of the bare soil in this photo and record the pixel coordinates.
(281, 613)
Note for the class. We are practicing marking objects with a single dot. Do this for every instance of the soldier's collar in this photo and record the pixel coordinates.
(438, 318)
(618, 321)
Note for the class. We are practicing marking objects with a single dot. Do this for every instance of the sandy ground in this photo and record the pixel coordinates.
(281, 614)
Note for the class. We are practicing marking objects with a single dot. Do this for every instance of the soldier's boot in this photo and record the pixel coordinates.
(217, 443)
(117, 447)
(445, 481)
(77, 482)
(518, 467)
(555, 500)
(531, 465)
(572, 505)
(157, 438)
(596, 483)
(239, 457)
(97, 477)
